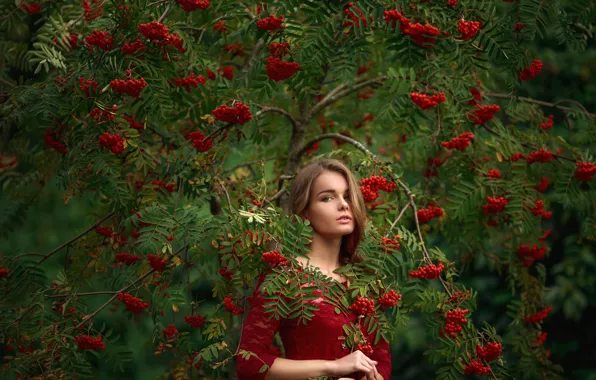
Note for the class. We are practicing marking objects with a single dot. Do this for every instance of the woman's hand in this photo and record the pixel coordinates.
(354, 362)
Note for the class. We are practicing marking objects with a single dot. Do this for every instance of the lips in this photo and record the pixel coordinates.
(344, 217)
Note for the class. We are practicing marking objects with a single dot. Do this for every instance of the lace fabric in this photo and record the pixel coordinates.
(318, 339)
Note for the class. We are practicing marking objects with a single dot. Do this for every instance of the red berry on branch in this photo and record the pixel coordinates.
(270, 23)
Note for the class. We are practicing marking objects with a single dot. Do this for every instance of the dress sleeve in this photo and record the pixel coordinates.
(382, 354)
(257, 337)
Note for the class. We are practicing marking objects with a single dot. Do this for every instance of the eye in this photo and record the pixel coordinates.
(325, 198)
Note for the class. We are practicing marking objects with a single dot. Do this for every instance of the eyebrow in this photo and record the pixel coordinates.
(331, 191)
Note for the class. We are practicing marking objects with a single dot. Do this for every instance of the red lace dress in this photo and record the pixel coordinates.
(315, 340)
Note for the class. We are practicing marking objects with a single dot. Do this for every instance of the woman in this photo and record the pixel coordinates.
(327, 194)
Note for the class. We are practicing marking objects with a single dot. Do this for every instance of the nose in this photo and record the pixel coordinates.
(344, 204)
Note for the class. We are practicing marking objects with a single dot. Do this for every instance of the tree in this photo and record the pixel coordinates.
(144, 103)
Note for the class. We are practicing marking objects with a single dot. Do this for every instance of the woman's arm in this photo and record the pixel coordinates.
(287, 369)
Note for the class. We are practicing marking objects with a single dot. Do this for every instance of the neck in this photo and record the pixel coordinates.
(324, 253)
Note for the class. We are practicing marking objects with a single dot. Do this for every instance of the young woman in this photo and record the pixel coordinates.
(327, 194)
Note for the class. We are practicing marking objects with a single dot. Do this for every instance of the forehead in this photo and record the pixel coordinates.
(329, 181)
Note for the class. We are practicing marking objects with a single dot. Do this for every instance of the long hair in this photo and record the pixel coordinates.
(300, 200)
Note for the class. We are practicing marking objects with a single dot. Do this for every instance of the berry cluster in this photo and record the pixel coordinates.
(85, 342)
(363, 306)
(132, 303)
(390, 245)
(542, 185)
(7, 162)
(530, 72)
(541, 156)
(519, 27)
(454, 321)
(133, 47)
(193, 5)
(3, 272)
(451, 3)
(157, 262)
(190, 81)
(372, 185)
(101, 39)
(225, 273)
(170, 332)
(476, 367)
(494, 205)
(50, 138)
(195, 321)
(517, 156)
(127, 259)
(154, 31)
(231, 306)
(226, 72)
(270, 23)
(425, 215)
(459, 296)
(31, 8)
(539, 316)
(548, 124)
(104, 231)
(92, 12)
(132, 123)
(425, 101)
(239, 114)
(113, 142)
(131, 87)
(430, 271)
(389, 299)
(88, 85)
(530, 253)
(220, 27)
(541, 339)
(170, 187)
(279, 49)
(490, 351)
(101, 115)
(366, 349)
(484, 113)
(432, 164)
(354, 14)
(584, 171)
(494, 173)
(279, 70)
(460, 143)
(477, 96)
(422, 35)
(198, 141)
(274, 258)
(468, 29)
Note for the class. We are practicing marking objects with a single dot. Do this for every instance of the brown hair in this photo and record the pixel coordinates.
(300, 200)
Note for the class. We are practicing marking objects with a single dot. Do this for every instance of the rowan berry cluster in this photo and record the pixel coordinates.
(542, 185)
(279, 49)
(494, 205)
(517, 157)
(538, 207)
(3, 272)
(220, 27)
(432, 164)
(530, 72)
(225, 273)
(476, 367)
(236, 49)
(519, 27)
(225, 71)
(541, 339)
(460, 143)
(530, 253)
(190, 81)
(584, 171)
(50, 138)
(451, 3)
(170, 187)
(132, 87)
(133, 47)
(459, 296)
(279, 70)
(32, 7)
(100, 39)
(170, 332)
(476, 96)
(132, 303)
(454, 321)
(195, 321)
(363, 306)
(425, 215)
(366, 349)
(132, 123)
(490, 351)
(274, 258)
(157, 263)
(101, 115)
(198, 141)
(372, 185)
(127, 259)
(104, 231)
(494, 173)
(468, 29)
(430, 271)
(548, 124)
(85, 342)
(231, 306)
(193, 5)
(113, 142)
(484, 113)
(422, 35)
(539, 316)
(541, 156)
(390, 245)
(425, 101)
(88, 86)
(154, 31)
(270, 23)
(354, 14)
(92, 12)
(239, 114)
(389, 299)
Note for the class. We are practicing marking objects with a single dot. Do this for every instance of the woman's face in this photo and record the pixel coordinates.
(329, 201)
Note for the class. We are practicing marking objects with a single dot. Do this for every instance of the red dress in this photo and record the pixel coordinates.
(315, 340)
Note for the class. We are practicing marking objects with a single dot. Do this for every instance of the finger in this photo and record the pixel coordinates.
(366, 368)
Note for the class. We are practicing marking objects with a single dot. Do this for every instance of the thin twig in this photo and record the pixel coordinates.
(277, 195)
(543, 103)
(163, 15)
(264, 110)
(80, 294)
(397, 219)
(233, 168)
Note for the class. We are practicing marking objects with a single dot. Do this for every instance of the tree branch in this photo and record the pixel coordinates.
(264, 110)
(543, 103)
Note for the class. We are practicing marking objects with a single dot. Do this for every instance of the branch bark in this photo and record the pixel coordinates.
(263, 110)
(543, 103)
